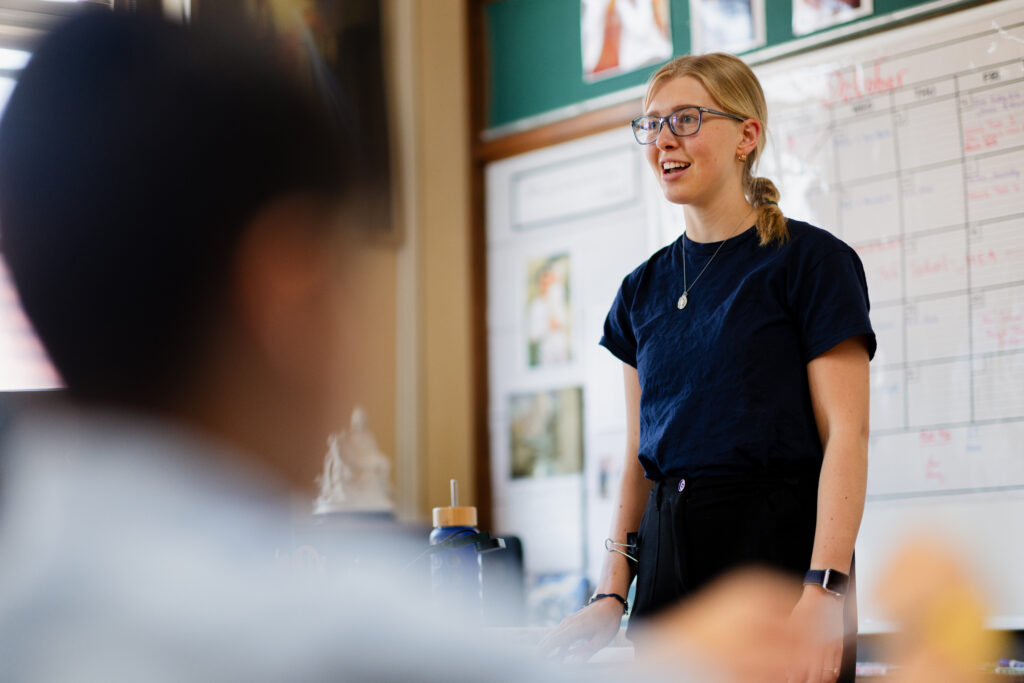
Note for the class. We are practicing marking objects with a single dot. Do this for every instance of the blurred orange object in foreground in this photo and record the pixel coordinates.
(941, 611)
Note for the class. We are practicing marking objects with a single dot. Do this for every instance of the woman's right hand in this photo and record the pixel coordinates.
(582, 634)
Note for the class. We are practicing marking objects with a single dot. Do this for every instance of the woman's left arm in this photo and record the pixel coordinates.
(839, 384)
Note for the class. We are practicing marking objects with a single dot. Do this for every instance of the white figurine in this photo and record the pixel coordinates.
(357, 476)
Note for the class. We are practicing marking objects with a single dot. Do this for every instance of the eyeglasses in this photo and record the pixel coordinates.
(682, 122)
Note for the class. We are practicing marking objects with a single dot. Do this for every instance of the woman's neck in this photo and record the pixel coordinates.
(718, 221)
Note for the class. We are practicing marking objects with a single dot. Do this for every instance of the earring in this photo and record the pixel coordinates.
(741, 157)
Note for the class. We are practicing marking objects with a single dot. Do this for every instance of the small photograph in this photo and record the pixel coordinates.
(726, 25)
(619, 36)
(814, 15)
(546, 430)
(548, 314)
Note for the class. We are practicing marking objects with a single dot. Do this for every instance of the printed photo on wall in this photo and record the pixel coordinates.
(619, 36)
(548, 314)
(814, 15)
(726, 25)
(546, 430)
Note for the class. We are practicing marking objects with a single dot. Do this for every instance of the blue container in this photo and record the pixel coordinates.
(456, 574)
(456, 571)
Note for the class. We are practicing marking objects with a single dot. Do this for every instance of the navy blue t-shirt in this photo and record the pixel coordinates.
(724, 380)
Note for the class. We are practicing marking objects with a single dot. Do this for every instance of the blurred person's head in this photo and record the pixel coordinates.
(169, 213)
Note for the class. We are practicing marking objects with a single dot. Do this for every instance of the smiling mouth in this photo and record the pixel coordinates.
(670, 169)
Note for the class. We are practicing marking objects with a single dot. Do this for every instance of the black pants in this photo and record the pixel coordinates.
(696, 529)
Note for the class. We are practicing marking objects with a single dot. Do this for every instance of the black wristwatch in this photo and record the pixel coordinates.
(830, 580)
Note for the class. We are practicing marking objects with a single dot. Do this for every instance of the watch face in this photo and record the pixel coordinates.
(835, 582)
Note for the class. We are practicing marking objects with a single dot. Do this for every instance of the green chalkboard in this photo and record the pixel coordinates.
(534, 52)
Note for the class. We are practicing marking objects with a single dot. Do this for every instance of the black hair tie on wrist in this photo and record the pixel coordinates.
(599, 596)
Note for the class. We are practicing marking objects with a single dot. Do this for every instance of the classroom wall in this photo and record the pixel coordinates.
(903, 143)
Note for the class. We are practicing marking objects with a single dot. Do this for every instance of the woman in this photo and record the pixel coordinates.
(745, 348)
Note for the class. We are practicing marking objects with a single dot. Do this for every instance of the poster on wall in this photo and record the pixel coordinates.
(546, 432)
(814, 15)
(618, 36)
(548, 317)
(726, 25)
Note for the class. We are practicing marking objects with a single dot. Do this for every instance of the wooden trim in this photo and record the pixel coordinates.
(401, 18)
(591, 122)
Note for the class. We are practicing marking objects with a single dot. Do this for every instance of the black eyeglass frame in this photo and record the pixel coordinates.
(662, 120)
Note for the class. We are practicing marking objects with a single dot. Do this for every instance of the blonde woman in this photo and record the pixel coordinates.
(745, 347)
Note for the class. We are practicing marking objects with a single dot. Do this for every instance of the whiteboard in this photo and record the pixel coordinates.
(909, 145)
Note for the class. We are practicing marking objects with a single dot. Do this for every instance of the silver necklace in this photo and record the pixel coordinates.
(685, 299)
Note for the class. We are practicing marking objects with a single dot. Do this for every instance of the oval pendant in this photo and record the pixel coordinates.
(681, 304)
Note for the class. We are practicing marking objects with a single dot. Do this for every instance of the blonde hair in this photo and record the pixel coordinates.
(735, 89)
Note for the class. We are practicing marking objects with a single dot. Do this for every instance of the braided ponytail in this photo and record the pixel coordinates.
(764, 196)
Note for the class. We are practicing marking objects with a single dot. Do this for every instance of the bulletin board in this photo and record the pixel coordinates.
(533, 62)
(909, 145)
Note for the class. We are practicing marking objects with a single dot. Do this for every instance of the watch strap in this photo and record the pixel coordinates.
(616, 596)
(830, 580)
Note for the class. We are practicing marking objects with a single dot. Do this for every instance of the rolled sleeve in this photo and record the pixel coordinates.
(618, 334)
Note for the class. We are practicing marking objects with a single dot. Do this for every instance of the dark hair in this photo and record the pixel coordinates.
(133, 152)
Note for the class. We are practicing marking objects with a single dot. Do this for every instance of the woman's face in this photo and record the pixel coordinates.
(701, 166)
